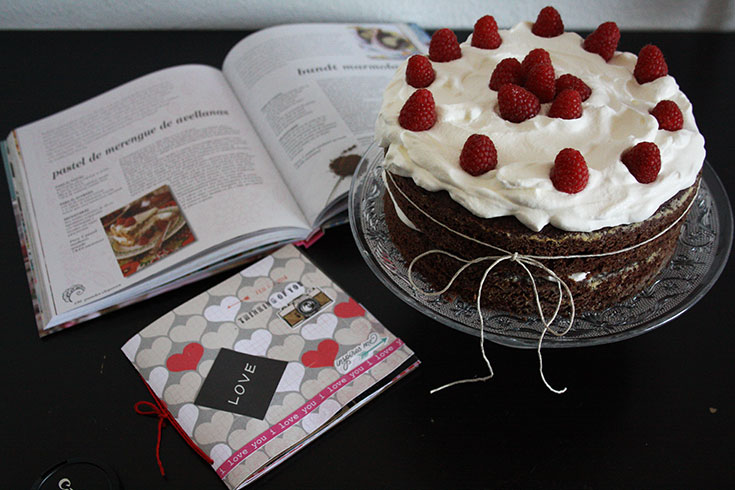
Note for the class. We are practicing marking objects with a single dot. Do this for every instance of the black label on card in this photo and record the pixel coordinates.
(241, 383)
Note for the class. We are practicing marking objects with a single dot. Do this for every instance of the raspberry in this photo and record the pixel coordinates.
(478, 155)
(643, 161)
(444, 46)
(650, 65)
(486, 35)
(569, 173)
(534, 57)
(603, 41)
(419, 112)
(419, 73)
(567, 105)
(668, 115)
(541, 82)
(548, 23)
(570, 81)
(507, 71)
(516, 104)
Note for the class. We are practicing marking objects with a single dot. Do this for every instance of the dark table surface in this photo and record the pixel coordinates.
(655, 411)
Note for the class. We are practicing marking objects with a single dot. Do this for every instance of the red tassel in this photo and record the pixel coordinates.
(160, 410)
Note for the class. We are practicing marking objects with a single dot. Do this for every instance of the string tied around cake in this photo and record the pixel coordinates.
(524, 261)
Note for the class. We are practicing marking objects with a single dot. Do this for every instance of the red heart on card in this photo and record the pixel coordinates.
(187, 360)
(323, 355)
(349, 309)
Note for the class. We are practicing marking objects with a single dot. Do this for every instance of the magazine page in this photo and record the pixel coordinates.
(261, 364)
(141, 178)
(313, 92)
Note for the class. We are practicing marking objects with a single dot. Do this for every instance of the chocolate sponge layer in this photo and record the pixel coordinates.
(608, 279)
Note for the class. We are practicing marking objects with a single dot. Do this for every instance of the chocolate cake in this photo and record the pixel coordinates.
(536, 142)
(594, 282)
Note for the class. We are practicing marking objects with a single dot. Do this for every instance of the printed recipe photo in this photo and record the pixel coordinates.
(147, 230)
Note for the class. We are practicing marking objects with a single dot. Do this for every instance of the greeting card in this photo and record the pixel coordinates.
(259, 365)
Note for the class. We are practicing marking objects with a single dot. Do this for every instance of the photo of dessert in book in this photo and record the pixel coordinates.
(146, 230)
(385, 43)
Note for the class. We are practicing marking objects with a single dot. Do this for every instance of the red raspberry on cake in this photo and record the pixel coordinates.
(650, 65)
(569, 173)
(478, 155)
(643, 161)
(419, 111)
(534, 57)
(541, 82)
(567, 105)
(516, 104)
(507, 71)
(444, 46)
(548, 23)
(570, 81)
(419, 72)
(485, 35)
(603, 41)
(668, 115)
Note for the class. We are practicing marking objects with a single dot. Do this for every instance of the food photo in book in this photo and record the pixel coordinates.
(147, 230)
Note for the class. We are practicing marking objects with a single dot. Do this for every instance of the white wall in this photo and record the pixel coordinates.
(706, 15)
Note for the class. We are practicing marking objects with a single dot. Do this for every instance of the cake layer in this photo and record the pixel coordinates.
(595, 282)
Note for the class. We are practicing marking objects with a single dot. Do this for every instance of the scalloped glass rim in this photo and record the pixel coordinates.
(699, 259)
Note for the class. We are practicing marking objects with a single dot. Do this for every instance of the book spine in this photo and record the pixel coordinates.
(11, 144)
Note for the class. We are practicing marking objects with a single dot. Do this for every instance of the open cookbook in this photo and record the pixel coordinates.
(190, 170)
(257, 367)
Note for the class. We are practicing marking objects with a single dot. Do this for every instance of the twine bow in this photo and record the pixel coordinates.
(524, 261)
(160, 411)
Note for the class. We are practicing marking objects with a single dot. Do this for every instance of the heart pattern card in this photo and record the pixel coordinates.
(270, 357)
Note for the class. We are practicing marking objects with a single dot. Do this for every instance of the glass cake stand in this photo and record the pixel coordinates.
(700, 256)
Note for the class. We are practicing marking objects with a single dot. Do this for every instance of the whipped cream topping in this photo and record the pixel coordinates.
(615, 117)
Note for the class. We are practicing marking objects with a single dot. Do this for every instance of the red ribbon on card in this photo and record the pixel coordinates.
(160, 410)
